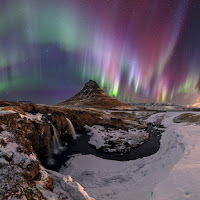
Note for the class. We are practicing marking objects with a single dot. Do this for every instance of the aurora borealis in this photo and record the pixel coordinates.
(137, 50)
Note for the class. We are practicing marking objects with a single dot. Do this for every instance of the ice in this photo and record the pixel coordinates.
(112, 140)
(171, 173)
(183, 181)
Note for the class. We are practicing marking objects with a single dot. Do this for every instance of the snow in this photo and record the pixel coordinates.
(98, 136)
(143, 114)
(30, 116)
(153, 118)
(183, 181)
(10, 149)
(12, 164)
(11, 175)
(112, 140)
(171, 173)
(4, 112)
(64, 188)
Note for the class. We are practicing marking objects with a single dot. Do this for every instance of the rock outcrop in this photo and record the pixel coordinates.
(24, 138)
(9, 103)
(78, 117)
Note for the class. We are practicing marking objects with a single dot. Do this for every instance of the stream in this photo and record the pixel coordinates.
(81, 146)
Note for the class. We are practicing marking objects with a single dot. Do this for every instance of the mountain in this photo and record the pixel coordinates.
(92, 96)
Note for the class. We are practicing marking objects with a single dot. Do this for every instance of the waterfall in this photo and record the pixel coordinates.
(55, 146)
(71, 129)
(50, 159)
(56, 141)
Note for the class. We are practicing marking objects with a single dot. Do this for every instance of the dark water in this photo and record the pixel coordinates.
(81, 146)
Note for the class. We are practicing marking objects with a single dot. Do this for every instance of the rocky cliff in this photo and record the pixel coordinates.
(24, 138)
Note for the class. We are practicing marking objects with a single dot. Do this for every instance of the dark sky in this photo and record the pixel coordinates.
(137, 50)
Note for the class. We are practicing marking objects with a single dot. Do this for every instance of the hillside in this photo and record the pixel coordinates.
(92, 96)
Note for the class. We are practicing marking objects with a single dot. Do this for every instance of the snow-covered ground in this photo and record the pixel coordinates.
(171, 173)
(112, 140)
(65, 188)
(4, 112)
(15, 166)
(30, 116)
(19, 167)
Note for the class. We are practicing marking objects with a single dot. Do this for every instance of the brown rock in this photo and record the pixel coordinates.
(93, 96)
(8, 103)
(16, 109)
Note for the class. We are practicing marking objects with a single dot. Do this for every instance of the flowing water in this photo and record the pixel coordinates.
(71, 129)
(55, 146)
(81, 146)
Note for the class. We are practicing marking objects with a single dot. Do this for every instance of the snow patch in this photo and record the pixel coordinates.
(11, 175)
(171, 173)
(11, 149)
(65, 188)
(4, 112)
(32, 117)
(115, 140)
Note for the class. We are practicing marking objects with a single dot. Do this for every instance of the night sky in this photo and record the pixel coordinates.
(137, 50)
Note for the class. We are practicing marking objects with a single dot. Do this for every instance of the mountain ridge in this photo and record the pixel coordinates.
(93, 96)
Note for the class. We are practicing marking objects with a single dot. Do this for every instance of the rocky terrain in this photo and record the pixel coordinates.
(25, 134)
(24, 139)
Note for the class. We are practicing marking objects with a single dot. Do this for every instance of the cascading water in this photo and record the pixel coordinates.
(55, 146)
(71, 129)
(50, 159)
